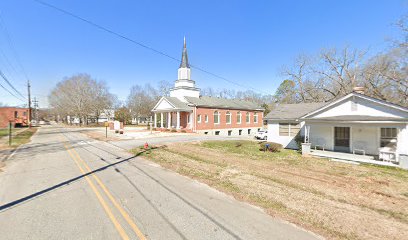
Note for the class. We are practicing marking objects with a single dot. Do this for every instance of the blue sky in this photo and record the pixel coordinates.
(244, 41)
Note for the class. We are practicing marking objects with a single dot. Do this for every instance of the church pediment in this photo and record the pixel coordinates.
(163, 104)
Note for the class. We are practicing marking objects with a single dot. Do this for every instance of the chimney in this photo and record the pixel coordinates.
(359, 90)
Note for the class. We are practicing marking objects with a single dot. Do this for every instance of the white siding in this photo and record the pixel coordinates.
(363, 107)
(286, 141)
(322, 135)
(403, 140)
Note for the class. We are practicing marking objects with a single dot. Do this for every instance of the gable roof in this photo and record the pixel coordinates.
(213, 102)
(176, 103)
(293, 111)
(371, 99)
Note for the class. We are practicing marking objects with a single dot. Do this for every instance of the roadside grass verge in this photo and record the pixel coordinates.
(336, 200)
(4, 132)
(23, 137)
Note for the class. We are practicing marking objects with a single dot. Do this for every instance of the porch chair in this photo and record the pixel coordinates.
(359, 146)
(319, 143)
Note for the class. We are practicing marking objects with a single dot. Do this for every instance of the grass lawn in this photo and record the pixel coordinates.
(4, 132)
(23, 137)
(336, 200)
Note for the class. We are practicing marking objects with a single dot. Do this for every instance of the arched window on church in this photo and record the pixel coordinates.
(216, 117)
(228, 117)
(248, 117)
(239, 117)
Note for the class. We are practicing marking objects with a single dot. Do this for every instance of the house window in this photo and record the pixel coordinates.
(249, 131)
(217, 133)
(289, 129)
(228, 117)
(239, 117)
(248, 117)
(24, 114)
(388, 137)
(15, 114)
(199, 118)
(255, 117)
(229, 132)
(240, 132)
(188, 118)
(216, 117)
(206, 118)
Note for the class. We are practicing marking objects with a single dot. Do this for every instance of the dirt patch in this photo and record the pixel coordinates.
(336, 200)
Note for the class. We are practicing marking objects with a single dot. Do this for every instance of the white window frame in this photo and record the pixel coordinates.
(255, 117)
(206, 118)
(239, 117)
(228, 114)
(218, 117)
(199, 118)
(289, 129)
(248, 117)
(389, 137)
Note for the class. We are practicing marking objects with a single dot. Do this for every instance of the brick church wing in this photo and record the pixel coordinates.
(186, 110)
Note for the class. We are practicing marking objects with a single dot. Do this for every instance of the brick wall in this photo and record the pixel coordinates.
(223, 119)
(9, 114)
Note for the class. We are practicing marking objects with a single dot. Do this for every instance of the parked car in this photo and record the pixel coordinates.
(262, 134)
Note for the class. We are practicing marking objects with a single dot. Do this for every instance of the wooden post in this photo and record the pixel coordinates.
(10, 133)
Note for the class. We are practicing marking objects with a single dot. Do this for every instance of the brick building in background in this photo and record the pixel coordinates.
(17, 116)
(186, 110)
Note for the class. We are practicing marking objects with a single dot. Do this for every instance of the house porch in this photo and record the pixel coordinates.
(357, 141)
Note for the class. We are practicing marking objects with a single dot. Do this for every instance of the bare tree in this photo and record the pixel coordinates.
(141, 100)
(80, 96)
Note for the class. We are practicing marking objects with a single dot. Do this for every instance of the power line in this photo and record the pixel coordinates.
(10, 42)
(11, 93)
(9, 83)
(139, 43)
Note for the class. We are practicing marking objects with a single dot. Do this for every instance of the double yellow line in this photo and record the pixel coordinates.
(84, 168)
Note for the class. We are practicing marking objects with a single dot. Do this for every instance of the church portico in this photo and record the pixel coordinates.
(179, 120)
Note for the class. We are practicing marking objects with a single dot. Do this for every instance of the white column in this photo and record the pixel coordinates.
(155, 120)
(161, 120)
(169, 120)
(178, 120)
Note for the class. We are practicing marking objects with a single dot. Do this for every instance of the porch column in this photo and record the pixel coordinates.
(169, 120)
(161, 120)
(307, 134)
(178, 120)
(155, 120)
(192, 120)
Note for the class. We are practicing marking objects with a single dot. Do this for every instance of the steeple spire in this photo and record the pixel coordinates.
(184, 57)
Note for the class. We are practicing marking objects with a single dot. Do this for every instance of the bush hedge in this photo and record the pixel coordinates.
(273, 147)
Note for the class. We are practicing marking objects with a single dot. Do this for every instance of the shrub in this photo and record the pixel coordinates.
(166, 130)
(173, 130)
(273, 147)
(183, 131)
(299, 140)
(154, 129)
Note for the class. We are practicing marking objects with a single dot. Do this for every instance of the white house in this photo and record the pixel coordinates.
(355, 123)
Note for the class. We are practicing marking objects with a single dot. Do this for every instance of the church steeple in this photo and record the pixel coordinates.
(184, 86)
(184, 57)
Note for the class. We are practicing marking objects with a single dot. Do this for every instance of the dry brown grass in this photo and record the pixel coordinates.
(336, 200)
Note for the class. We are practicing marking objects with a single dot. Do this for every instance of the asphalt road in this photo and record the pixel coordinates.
(64, 185)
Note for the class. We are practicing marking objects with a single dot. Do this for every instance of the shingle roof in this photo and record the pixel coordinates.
(293, 111)
(214, 102)
(177, 103)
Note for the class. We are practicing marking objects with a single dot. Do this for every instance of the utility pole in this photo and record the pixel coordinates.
(35, 102)
(29, 103)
